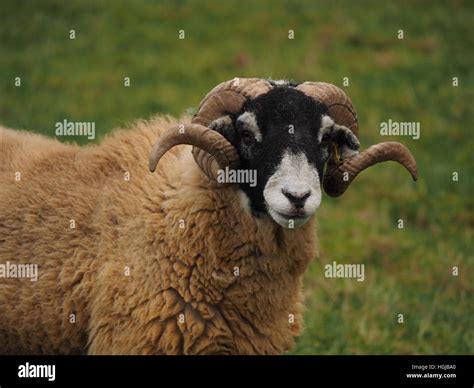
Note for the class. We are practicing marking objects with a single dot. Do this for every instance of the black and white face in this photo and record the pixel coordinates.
(286, 137)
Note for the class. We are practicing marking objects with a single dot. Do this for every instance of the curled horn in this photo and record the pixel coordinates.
(338, 177)
(211, 151)
(224, 154)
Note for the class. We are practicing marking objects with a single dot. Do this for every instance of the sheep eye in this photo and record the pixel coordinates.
(247, 137)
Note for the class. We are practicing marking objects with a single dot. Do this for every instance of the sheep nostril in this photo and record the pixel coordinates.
(297, 198)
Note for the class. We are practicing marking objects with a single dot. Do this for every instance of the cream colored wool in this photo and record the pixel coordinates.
(150, 266)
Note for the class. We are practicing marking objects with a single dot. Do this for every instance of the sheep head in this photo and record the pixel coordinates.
(293, 136)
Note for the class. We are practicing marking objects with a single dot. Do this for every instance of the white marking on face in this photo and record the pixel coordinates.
(296, 177)
(250, 122)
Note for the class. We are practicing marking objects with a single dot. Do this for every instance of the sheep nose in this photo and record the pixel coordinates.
(297, 197)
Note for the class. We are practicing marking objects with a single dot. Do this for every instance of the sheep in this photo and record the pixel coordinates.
(179, 261)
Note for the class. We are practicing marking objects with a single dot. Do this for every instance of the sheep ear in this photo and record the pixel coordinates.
(345, 143)
(225, 126)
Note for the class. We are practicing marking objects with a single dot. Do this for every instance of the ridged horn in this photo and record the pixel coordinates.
(204, 138)
(226, 98)
(338, 177)
(211, 151)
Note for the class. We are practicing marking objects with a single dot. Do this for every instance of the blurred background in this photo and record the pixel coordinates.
(408, 271)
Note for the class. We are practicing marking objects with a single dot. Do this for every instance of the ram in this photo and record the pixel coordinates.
(178, 261)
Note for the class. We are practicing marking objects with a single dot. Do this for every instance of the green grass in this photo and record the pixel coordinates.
(408, 271)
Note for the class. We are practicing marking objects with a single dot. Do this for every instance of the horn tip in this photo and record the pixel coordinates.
(413, 172)
(152, 167)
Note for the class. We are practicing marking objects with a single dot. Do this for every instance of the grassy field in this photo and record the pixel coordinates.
(408, 271)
